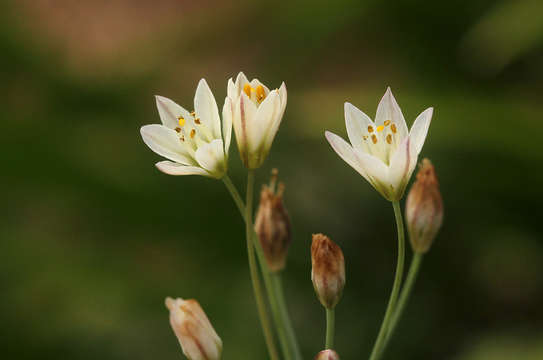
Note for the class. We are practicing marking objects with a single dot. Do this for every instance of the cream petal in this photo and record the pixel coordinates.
(267, 120)
(166, 143)
(388, 109)
(169, 111)
(210, 156)
(227, 113)
(231, 89)
(346, 152)
(246, 120)
(357, 124)
(401, 167)
(283, 96)
(419, 129)
(206, 109)
(241, 80)
(172, 168)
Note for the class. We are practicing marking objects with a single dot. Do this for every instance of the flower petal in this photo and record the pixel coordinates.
(234, 89)
(206, 109)
(169, 112)
(270, 118)
(401, 167)
(227, 113)
(419, 129)
(357, 124)
(388, 109)
(165, 142)
(346, 152)
(210, 156)
(283, 96)
(376, 171)
(172, 168)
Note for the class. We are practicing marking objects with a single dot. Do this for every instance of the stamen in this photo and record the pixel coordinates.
(260, 93)
(387, 123)
(370, 128)
(182, 137)
(178, 129)
(389, 139)
(193, 113)
(247, 89)
(380, 128)
(181, 121)
(192, 133)
(365, 137)
(374, 139)
(393, 128)
(197, 121)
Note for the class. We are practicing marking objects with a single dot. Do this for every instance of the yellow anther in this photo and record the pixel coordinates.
(374, 139)
(389, 139)
(393, 128)
(197, 121)
(260, 93)
(247, 89)
(370, 128)
(182, 138)
(365, 137)
(387, 123)
(178, 129)
(192, 133)
(193, 113)
(181, 121)
(380, 128)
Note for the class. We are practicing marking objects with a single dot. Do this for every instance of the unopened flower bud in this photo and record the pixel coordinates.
(272, 225)
(328, 270)
(197, 337)
(327, 355)
(424, 208)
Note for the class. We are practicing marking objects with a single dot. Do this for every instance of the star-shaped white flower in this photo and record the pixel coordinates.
(384, 152)
(192, 141)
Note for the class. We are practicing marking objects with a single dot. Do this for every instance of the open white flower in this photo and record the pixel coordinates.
(192, 141)
(256, 113)
(383, 152)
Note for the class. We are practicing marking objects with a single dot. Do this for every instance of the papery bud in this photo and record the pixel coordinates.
(272, 225)
(327, 355)
(424, 208)
(197, 337)
(328, 270)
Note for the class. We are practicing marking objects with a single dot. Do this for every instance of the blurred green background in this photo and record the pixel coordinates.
(93, 237)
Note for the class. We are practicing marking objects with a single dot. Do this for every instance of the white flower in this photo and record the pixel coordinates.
(256, 113)
(193, 141)
(383, 152)
(195, 333)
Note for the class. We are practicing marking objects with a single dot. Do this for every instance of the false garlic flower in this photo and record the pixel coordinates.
(384, 152)
(256, 113)
(327, 355)
(192, 141)
(198, 339)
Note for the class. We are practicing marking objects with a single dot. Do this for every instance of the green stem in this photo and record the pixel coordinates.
(406, 292)
(378, 348)
(257, 286)
(294, 349)
(235, 195)
(330, 325)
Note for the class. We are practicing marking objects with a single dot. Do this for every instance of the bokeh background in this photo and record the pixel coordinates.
(93, 237)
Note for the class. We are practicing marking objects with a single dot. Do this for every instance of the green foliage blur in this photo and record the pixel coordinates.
(93, 237)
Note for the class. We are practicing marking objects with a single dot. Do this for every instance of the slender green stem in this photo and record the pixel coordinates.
(257, 286)
(378, 348)
(235, 195)
(330, 328)
(294, 349)
(406, 292)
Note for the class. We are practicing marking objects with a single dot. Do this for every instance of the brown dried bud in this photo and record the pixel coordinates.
(327, 355)
(272, 225)
(328, 270)
(197, 337)
(424, 208)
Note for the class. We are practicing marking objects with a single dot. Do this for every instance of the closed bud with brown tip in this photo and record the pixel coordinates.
(272, 225)
(328, 270)
(424, 208)
(327, 355)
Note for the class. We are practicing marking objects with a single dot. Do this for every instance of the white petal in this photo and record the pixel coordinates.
(172, 168)
(419, 130)
(388, 109)
(206, 108)
(268, 119)
(211, 157)
(231, 90)
(241, 80)
(375, 170)
(165, 142)
(357, 124)
(401, 166)
(169, 111)
(345, 151)
(244, 116)
(227, 113)
(283, 96)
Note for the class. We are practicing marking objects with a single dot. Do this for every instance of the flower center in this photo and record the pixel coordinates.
(192, 133)
(257, 94)
(382, 140)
